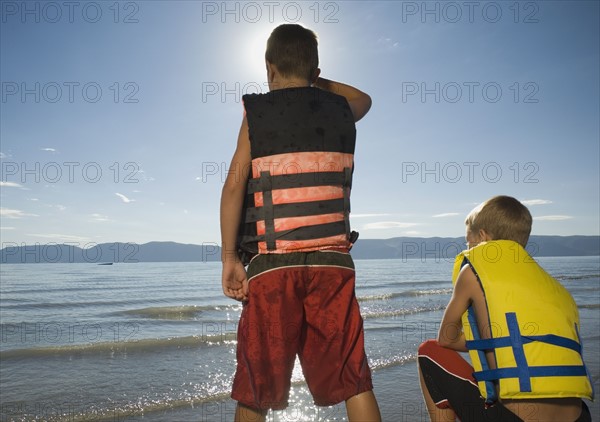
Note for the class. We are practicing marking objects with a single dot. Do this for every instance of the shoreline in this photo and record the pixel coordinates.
(396, 388)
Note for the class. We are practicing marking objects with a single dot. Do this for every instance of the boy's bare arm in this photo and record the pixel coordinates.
(360, 103)
(450, 334)
(235, 284)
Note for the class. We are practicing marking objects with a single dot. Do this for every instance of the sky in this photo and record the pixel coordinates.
(119, 119)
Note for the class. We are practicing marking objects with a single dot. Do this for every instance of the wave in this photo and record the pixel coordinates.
(184, 312)
(82, 288)
(123, 347)
(383, 363)
(85, 412)
(395, 283)
(59, 305)
(400, 312)
(589, 306)
(30, 305)
(576, 277)
(407, 293)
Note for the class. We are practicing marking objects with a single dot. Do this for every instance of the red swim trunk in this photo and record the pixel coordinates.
(300, 304)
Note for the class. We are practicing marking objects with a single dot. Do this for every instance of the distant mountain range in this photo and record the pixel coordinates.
(398, 247)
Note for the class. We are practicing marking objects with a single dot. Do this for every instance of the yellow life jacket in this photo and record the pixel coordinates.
(533, 325)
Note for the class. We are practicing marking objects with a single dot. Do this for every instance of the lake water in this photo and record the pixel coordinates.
(156, 341)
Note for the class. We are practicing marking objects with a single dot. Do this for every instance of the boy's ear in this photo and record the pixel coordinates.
(484, 236)
(271, 69)
(315, 75)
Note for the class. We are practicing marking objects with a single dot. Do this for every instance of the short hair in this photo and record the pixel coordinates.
(293, 49)
(503, 218)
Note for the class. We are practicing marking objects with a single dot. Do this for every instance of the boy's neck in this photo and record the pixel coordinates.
(283, 83)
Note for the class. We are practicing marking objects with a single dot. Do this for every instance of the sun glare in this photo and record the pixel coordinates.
(255, 55)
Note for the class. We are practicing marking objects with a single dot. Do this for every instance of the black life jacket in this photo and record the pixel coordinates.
(298, 193)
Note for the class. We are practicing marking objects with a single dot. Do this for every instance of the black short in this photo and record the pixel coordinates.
(449, 379)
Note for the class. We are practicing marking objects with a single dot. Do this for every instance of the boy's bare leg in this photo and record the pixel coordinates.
(363, 407)
(435, 413)
(247, 414)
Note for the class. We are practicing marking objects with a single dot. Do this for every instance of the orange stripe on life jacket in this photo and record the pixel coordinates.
(296, 222)
(301, 162)
(296, 195)
(339, 243)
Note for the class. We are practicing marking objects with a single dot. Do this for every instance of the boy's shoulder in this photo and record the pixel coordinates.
(295, 94)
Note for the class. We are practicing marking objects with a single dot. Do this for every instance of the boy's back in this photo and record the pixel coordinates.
(522, 304)
(302, 147)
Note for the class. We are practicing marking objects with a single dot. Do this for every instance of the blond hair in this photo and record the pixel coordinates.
(502, 218)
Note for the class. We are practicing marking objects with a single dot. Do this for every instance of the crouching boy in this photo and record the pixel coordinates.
(519, 325)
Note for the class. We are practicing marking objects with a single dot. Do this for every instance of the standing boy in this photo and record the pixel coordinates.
(286, 205)
(520, 326)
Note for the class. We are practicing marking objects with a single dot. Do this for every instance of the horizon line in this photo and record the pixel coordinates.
(73, 244)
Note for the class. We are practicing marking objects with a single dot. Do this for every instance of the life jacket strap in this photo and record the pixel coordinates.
(498, 342)
(267, 209)
(316, 231)
(523, 371)
(300, 209)
(347, 186)
(534, 371)
(490, 390)
(300, 180)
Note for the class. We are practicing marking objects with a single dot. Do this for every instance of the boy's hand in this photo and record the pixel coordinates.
(235, 280)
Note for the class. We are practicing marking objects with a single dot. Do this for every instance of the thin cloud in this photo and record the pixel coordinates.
(530, 202)
(10, 185)
(124, 198)
(387, 43)
(14, 214)
(553, 217)
(99, 218)
(143, 175)
(48, 149)
(60, 237)
(388, 225)
(7, 228)
(367, 215)
(446, 214)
